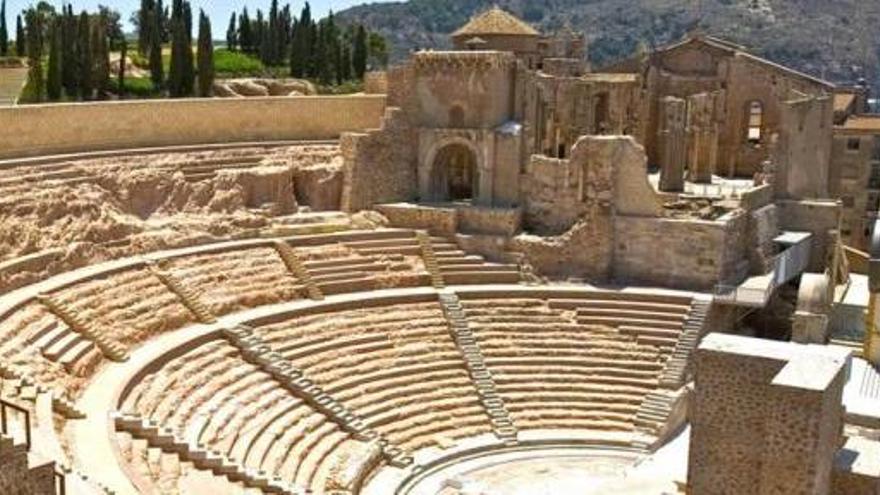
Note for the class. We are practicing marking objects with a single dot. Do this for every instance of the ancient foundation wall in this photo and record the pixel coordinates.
(688, 254)
(380, 165)
(62, 128)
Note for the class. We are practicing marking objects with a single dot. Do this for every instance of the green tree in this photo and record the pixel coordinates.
(300, 50)
(100, 55)
(53, 78)
(4, 32)
(157, 70)
(145, 18)
(377, 47)
(84, 66)
(19, 37)
(206, 56)
(245, 35)
(360, 52)
(35, 87)
(69, 54)
(113, 26)
(180, 76)
(123, 57)
(231, 34)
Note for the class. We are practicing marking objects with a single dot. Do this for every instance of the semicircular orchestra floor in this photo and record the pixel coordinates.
(524, 470)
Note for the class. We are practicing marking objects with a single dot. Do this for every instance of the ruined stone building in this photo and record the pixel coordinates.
(498, 271)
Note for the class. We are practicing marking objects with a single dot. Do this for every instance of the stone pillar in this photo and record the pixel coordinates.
(702, 137)
(672, 144)
(766, 417)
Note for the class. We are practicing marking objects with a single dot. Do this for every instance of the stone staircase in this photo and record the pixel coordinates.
(467, 345)
(27, 388)
(430, 259)
(187, 296)
(58, 343)
(675, 371)
(652, 417)
(655, 410)
(296, 267)
(166, 440)
(255, 351)
(112, 350)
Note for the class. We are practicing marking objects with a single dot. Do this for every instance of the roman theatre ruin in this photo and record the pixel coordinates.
(498, 271)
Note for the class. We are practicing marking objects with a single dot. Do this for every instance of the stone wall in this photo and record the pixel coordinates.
(802, 153)
(62, 128)
(687, 254)
(434, 219)
(380, 165)
(597, 210)
(766, 417)
(602, 170)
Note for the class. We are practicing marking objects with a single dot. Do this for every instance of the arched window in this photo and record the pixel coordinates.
(755, 132)
(456, 116)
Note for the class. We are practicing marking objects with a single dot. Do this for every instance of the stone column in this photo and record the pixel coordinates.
(672, 144)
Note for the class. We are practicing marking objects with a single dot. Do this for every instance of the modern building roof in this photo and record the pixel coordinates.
(865, 122)
(495, 21)
(843, 101)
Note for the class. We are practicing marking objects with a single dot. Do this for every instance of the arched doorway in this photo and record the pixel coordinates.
(455, 176)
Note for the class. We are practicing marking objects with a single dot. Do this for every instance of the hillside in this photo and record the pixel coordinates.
(835, 39)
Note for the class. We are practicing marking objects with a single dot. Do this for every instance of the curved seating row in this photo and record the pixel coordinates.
(394, 363)
(125, 302)
(209, 397)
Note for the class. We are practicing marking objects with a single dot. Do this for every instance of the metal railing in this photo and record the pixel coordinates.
(5, 408)
(786, 266)
(8, 409)
(60, 482)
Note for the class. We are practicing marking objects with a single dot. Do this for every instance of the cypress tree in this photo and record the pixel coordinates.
(186, 8)
(53, 82)
(123, 56)
(271, 35)
(157, 71)
(245, 35)
(145, 25)
(206, 56)
(84, 67)
(189, 62)
(4, 33)
(359, 53)
(35, 84)
(181, 77)
(260, 40)
(69, 54)
(19, 37)
(100, 56)
(345, 61)
(231, 34)
(296, 51)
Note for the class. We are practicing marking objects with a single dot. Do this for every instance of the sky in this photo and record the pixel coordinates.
(218, 10)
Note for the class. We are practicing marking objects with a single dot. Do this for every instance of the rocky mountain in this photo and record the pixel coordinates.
(834, 39)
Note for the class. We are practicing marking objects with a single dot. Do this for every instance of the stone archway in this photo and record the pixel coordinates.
(455, 175)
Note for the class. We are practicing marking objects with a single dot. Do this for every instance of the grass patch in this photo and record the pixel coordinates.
(136, 87)
(237, 64)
